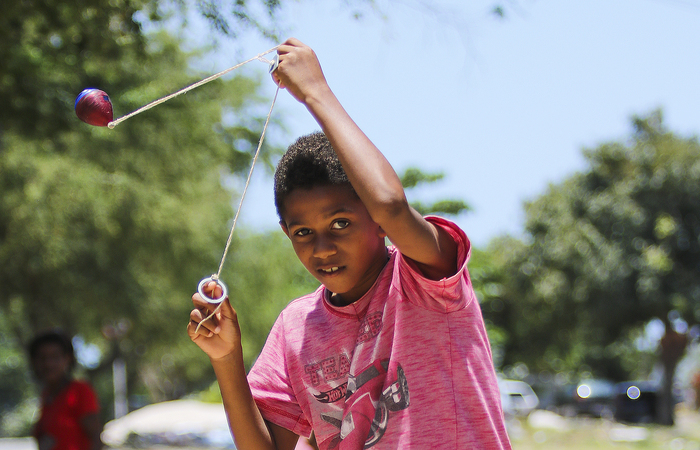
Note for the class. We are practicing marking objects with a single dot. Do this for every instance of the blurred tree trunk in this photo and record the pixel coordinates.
(673, 346)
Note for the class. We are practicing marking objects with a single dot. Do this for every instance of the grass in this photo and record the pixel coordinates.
(544, 430)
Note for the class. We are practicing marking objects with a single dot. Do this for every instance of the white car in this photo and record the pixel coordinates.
(517, 397)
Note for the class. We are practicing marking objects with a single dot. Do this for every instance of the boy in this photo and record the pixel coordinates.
(390, 352)
(69, 417)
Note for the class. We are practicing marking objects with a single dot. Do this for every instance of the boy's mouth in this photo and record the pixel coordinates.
(330, 270)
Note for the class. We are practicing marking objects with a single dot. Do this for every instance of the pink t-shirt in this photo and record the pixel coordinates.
(406, 366)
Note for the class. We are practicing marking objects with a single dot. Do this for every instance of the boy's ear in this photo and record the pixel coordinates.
(381, 233)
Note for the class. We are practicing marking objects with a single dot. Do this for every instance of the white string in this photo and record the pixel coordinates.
(245, 189)
(240, 204)
(259, 57)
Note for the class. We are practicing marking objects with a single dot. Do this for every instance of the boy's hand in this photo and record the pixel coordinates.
(299, 70)
(219, 336)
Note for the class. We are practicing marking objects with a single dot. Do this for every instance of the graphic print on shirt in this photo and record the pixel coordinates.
(368, 406)
(334, 395)
(328, 370)
(369, 328)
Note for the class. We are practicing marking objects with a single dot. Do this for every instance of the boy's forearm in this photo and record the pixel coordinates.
(380, 188)
(370, 173)
(247, 424)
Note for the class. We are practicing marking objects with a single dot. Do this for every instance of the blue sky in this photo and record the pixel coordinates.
(502, 107)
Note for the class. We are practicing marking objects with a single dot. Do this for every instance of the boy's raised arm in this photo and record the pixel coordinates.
(220, 339)
(369, 172)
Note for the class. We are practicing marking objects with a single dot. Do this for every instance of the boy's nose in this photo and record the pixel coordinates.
(324, 247)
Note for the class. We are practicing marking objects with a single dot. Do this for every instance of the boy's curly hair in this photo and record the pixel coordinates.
(54, 336)
(308, 162)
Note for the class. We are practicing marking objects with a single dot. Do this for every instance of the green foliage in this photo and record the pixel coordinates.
(18, 420)
(607, 251)
(487, 279)
(413, 177)
(15, 411)
(231, 17)
(103, 226)
(212, 394)
(13, 368)
(52, 50)
(442, 207)
(118, 215)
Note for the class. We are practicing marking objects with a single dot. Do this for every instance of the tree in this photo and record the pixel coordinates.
(607, 251)
(102, 227)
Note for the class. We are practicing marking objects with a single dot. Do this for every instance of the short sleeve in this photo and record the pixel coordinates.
(449, 294)
(271, 386)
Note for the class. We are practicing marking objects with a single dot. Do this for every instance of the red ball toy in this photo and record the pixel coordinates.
(94, 107)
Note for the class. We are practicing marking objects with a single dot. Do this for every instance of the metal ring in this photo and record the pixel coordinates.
(206, 281)
(274, 63)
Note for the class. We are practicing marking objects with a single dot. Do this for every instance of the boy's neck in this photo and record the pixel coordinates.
(51, 390)
(336, 300)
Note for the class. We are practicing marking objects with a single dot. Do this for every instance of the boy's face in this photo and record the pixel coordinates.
(336, 239)
(51, 363)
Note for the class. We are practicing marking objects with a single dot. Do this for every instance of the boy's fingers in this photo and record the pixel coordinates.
(196, 315)
(277, 80)
(289, 44)
(194, 332)
(202, 304)
(205, 326)
(199, 302)
(284, 48)
(226, 311)
(203, 309)
(213, 289)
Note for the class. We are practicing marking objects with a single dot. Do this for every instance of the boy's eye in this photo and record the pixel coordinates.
(340, 224)
(302, 232)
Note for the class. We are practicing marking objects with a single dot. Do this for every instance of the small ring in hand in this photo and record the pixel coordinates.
(205, 282)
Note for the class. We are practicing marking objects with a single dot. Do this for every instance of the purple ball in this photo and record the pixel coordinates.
(94, 107)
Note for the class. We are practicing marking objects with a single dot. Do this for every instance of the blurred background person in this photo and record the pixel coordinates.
(69, 417)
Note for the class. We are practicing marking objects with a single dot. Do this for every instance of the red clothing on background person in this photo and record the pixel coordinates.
(59, 427)
(69, 418)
